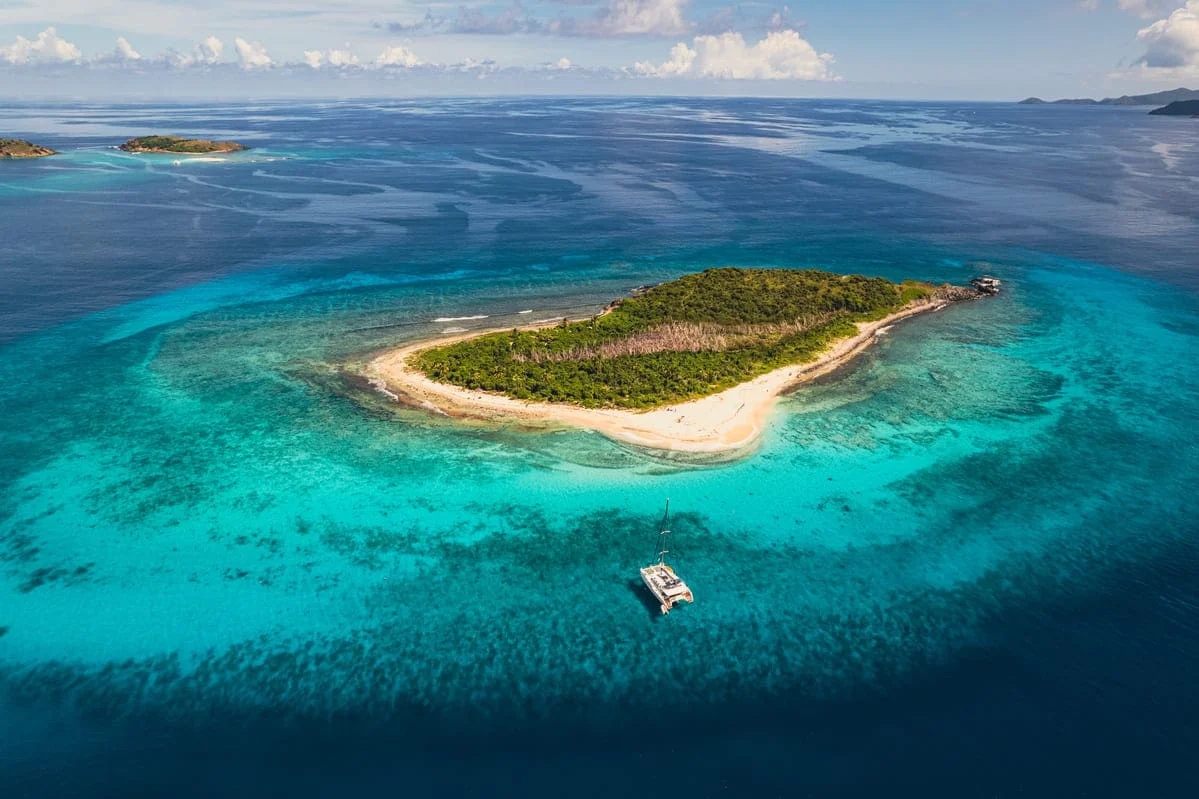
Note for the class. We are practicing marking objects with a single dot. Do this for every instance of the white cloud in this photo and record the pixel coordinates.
(633, 17)
(125, 51)
(392, 56)
(561, 65)
(205, 53)
(681, 62)
(626, 18)
(481, 68)
(780, 19)
(397, 56)
(252, 55)
(781, 55)
(1146, 9)
(611, 18)
(123, 54)
(48, 48)
(334, 58)
(210, 50)
(1172, 44)
(1093, 5)
(342, 58)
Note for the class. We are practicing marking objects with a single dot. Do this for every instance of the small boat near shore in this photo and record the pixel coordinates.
(661, 580)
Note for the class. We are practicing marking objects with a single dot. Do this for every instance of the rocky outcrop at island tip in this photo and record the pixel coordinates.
(19, 148)
(177, 145)
(986, 285)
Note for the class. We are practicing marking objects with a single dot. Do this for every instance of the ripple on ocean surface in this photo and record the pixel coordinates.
(979, 532)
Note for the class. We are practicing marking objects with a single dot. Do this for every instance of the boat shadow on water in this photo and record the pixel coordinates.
(648, 601)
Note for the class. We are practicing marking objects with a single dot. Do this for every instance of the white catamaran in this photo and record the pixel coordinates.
(661, 579)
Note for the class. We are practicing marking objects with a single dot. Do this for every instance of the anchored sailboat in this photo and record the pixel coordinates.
(660, 578)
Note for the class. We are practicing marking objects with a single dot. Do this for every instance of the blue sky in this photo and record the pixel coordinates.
(937, 49)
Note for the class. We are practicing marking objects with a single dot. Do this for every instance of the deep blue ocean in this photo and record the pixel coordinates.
(967, 565)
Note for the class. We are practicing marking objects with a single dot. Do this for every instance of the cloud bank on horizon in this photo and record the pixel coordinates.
(781, 55)
(704, 47)
(646, 40)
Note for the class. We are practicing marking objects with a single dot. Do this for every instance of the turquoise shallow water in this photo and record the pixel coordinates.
(205, 527)
(207, 486)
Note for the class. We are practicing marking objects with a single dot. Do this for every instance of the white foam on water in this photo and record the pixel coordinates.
(458, 318)
(379, 385)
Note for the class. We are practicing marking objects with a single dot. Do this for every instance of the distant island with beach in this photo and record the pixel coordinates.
(694, 364)
(19, 148)
(177, 145)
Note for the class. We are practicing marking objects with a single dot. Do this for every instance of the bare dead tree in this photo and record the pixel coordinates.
(683, 337)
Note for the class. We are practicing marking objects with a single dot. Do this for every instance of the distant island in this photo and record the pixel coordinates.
(1157, 98)
(1181, 108)
(694, 364)
(19, 148)
(176, 145)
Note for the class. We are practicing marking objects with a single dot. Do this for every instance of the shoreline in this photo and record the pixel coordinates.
(176, 152)
(719, 423)
(20, 149)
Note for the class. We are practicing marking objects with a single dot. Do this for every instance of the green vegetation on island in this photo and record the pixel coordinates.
(19, 148)
(685, 339)
(179, 146)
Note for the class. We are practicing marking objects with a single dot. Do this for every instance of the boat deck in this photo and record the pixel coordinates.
(667, 586)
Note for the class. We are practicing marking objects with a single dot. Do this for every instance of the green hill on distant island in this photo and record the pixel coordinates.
(685, 339)
(1183, 108)
(179, 146)
(19, 148)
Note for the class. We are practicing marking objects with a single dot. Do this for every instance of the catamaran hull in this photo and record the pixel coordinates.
(666, 587)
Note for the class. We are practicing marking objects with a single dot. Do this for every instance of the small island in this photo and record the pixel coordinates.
(1180, 108)
(690, 365)
(19, 148)
(176, 145)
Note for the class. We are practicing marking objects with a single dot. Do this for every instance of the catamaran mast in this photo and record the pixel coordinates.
(661, 580)
(662, 550)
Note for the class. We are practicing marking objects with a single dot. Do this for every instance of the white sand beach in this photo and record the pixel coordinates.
(730, 420)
